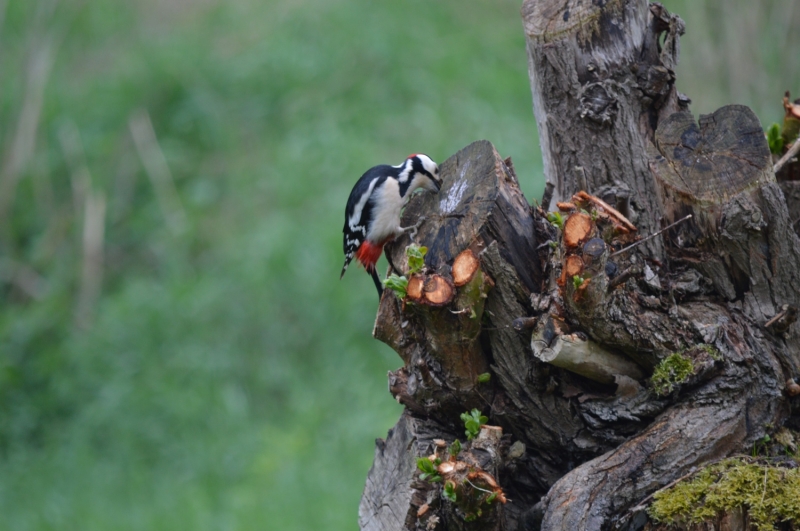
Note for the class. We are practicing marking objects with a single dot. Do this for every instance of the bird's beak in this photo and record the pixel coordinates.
(437, 183)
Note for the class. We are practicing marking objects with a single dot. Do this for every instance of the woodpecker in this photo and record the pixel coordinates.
(372, 216)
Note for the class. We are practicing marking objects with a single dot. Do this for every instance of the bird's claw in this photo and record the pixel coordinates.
(412, 230)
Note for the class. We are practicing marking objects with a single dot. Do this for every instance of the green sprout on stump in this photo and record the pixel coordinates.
(416, 258)
(473, 421)
(449, 491)
(774, 139)
(416, 261)
(672, 371)
(454, 448)
(428, 469)
(397, 284)
(556, 219)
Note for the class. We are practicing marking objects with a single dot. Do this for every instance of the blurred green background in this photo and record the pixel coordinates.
(176, 350)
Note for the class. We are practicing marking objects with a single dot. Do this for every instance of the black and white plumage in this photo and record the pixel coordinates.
(372, 216)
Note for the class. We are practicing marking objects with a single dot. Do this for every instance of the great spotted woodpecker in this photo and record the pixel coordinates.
(372, 216)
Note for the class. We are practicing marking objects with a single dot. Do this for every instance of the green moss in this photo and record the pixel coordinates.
(770, 494)
(673, 370)
(715, 354)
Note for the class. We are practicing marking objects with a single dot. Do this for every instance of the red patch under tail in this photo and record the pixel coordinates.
(368, 254)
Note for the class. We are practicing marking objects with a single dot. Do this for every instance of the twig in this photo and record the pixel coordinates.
(608, 208)
(788, 156)
(80, 179)
(474, 486)
(624, 276)
(94, 215)
(774, 319)
(631, 246)
(580, 175)
(549, 188)
(23, 143)
(155, 165)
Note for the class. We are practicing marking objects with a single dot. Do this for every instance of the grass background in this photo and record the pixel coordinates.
(223, 378)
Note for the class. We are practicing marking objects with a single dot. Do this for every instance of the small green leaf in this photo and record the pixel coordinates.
(556, 219)
(416, 258)
(577, 280)
(397, 284)
(425, 465)
(774, 139)
(454, 448)
(485, 377)
(473, 421)
(491, 497)
(449, 491)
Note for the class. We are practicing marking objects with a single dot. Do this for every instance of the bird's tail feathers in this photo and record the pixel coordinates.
(346, 263)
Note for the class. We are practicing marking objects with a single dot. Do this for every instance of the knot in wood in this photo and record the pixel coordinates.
(597, 105)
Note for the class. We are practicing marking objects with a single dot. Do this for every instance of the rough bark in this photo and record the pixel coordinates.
(568, 319)
(600, 84)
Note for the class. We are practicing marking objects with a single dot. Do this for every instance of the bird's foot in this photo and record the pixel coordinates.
(412, 230)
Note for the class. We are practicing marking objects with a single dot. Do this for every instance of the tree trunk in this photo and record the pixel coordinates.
(556, 333)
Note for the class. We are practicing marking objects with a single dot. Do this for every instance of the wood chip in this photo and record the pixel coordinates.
(577, 228)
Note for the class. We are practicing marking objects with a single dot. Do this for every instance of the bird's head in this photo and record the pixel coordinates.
(424, 172)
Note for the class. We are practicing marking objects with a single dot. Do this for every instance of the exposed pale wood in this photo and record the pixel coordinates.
(577, 228)
(584, 357)
(415, 286)
(437, 290)
(573, 265)
(464, 267)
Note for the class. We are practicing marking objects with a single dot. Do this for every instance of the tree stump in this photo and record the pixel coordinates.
(601, 82)
(561, 328)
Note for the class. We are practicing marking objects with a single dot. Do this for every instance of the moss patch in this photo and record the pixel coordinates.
(769, 493)
(673, 370)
